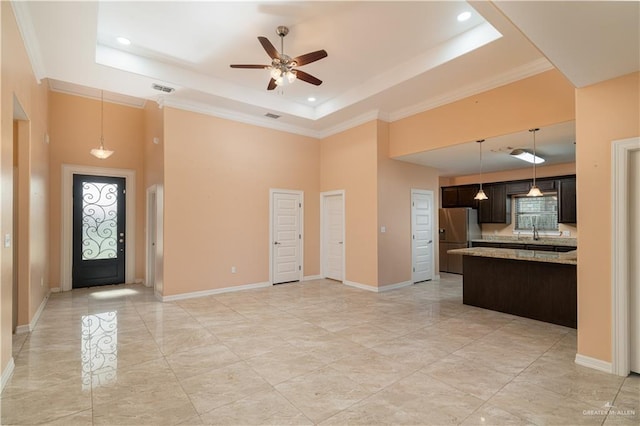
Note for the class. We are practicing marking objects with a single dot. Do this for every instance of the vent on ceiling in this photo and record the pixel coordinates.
(165, 89)
(270, 115)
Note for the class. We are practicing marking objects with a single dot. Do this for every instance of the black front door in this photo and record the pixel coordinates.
(98, 230)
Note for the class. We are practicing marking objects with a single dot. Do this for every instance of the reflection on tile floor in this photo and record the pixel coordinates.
(311, 353)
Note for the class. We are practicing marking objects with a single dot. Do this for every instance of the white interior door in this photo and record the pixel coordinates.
(634, 267)
(151, 238)
(422, 234)
(333, 236)
(287, 237)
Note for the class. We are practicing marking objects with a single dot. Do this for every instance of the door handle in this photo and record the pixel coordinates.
(339, 242)
(276, 243)
(430, 241)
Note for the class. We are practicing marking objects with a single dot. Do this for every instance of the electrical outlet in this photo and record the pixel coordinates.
(233, 270)
(383, 229)
(566, 233)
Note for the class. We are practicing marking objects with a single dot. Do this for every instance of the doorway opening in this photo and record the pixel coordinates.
(625, 242)
(68, 172)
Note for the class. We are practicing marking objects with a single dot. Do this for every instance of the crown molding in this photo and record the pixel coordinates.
(527, 70)
(353, 122)
(240, 117)
(27, 31)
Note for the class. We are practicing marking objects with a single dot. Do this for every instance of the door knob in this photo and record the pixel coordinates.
(276, 243)
(339, 242)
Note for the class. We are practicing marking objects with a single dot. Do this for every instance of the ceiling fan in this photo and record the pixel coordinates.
(283, 68)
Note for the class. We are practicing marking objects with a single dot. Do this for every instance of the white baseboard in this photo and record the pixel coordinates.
(377, 289)
(28, 328)
(6, 374)
(203, 293)
(360, 286)
(311, 277)
(22, 329)
(596, 364)
(138, 281)
(36, 316)
(390, 287)
(55, 289)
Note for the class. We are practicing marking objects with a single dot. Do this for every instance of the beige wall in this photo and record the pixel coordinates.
(537, 101)
(605, 112)
(153, 153)
(74, 131)
(348, 161)
(395, 181)
(217, 176)
(18, 80)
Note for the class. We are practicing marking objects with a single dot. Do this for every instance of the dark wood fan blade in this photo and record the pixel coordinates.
(308, 78)
(268, 47)
(260, 67)
(272, 84)
(310, 57)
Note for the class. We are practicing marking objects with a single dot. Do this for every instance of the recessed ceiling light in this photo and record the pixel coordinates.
(311, 99)
(123, 40)
(464, 16)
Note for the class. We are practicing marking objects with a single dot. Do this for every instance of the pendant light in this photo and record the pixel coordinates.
(534, 191)
(480, 195)
(101, 153)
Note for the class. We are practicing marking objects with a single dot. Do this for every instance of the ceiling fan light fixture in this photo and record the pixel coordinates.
(275, 73)
(291, 76)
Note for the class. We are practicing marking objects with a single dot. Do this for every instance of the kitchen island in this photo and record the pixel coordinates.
(535, 284)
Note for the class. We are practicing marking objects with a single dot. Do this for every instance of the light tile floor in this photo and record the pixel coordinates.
(311, 353)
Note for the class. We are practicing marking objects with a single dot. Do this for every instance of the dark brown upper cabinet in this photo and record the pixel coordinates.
(497, 209)
(567, 200)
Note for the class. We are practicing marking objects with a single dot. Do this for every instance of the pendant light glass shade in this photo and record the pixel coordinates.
(100, 152)
(534, 191)
(480, 195)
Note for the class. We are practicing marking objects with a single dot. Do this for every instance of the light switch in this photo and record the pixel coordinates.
(383, 229)
(7, 240)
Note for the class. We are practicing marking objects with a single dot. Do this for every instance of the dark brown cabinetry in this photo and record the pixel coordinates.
(459, 196)
(542, 291)
(521, 187)
(497, 209)
(567, 200)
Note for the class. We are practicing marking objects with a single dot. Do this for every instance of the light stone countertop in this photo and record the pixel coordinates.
(569, 258)
(544, 241)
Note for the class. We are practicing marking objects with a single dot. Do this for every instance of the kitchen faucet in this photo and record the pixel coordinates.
(536, 236)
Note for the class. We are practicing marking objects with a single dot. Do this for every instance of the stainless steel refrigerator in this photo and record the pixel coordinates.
(457, 227)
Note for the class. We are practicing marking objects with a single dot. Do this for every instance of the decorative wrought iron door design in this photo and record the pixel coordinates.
(98, 230)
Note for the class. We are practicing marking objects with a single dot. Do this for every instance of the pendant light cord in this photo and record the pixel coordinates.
(480, 142)
(102, 119)
(534, 154)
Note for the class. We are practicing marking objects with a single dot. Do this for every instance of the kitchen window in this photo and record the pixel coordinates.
(539, 211)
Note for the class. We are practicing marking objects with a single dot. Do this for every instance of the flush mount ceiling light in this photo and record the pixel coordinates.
(311, 99)
(101, 153)
(526, 156)
(534, 191)
(123, 40)
(480, 195)
(464, 16)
